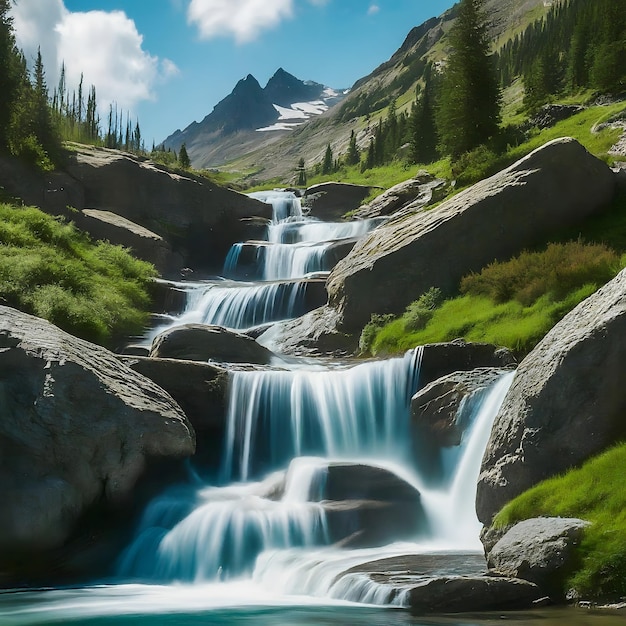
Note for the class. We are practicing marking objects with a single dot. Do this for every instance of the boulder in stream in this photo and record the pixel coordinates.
(200, 342)
(78, 431)
(540, 550)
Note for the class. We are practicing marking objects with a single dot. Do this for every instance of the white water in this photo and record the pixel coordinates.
(296, 245)
(263, 541)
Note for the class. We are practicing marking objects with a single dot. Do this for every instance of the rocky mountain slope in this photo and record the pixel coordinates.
(252, 116)
(275, 154)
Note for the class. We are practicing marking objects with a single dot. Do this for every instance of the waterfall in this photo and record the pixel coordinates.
(269, 514)
(274, 416)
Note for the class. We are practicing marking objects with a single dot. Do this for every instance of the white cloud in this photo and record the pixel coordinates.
(105, 47)
(244, 19)
(373, 9)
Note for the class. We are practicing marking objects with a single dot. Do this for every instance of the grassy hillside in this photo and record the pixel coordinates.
(96, 291)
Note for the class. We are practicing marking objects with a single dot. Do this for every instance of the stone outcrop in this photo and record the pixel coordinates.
(199, 342)
(566, 403)
(201, 390)
(540, 550)
(408, 196)
(366, 505)
(555, 186)
(331, 201)
(78, 431)
(200, 219)
(454, 594)
(146, 245)
(435, 407)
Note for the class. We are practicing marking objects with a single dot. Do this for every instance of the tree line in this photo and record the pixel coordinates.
(578, 45)
(34, 124)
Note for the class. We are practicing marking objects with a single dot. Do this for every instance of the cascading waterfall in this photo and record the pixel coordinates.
(263, 526)
(274, 416)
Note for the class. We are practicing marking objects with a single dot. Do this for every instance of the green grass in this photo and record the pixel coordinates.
(478, 318)
(595, 492)
(52, 270)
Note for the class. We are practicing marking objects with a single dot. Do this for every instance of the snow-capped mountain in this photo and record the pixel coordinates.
(252, 116)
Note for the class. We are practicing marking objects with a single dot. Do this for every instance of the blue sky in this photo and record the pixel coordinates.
(169, 62)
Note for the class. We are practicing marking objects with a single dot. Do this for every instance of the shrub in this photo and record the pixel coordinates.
(368, 334)
(419, 313)
(557, 271)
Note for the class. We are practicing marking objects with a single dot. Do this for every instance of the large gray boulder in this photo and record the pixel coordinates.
(330, 201)
(200, 219)
(553, 187)
(566, 404)
(540, 550)
(78, 430)
(200, 342)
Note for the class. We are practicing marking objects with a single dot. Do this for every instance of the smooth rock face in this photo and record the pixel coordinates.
(566, 403)
(553, 187)
(120, 231)
(199, 342)
(331, 201)
(453, 594)
(201, 390)
(435, 407)
(367, 505)
(199, 219)
(538, 550)
(77, 429)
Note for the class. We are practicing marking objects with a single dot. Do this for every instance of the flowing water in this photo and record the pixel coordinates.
(256, 543)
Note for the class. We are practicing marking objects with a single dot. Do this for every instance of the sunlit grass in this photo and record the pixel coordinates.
(595, 492)
(52, 270)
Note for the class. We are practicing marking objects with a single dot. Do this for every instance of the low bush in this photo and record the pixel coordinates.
(558, 270)
(52, 270)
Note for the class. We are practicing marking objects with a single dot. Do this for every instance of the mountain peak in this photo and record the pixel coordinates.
(284, 89)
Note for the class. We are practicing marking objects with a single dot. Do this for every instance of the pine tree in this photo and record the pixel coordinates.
(423, 132)
(353, 156)
(9, 72)
(327, 165)
(183, 158)
(301, 173)
(43, 126)
(468, 110)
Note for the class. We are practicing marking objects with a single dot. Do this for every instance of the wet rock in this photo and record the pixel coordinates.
(199, 342)
(455, 594)
(435, 408)
(367, 505)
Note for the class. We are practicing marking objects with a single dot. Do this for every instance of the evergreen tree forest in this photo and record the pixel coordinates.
(579, 45)
(34, 124)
